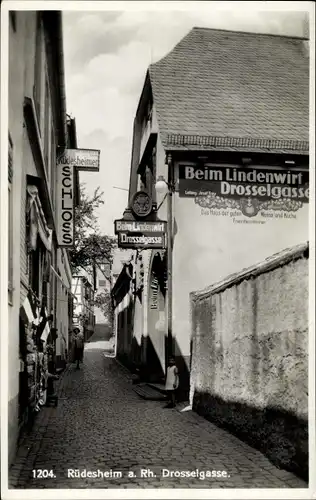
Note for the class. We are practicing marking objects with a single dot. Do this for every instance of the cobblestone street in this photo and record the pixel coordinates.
(101, 424)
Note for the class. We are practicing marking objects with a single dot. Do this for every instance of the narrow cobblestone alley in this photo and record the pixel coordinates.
(101, 424)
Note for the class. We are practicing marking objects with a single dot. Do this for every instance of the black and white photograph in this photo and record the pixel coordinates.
(157, 283)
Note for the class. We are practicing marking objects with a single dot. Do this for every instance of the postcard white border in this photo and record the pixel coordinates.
(98, 6)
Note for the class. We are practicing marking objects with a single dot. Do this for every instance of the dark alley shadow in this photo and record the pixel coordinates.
(279, 435)
(143, 361)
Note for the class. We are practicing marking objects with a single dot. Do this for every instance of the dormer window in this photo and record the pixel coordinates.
(149, 114)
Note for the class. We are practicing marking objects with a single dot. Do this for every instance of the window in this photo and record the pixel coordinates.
(147, 116)
(149, 181)
(143, 181)
(37, 91)
(148, 175)
(10, 222)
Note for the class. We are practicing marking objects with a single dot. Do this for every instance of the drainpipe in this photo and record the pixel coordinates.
(61, 75)
(63, 116)
(170, 342)
(53, 21)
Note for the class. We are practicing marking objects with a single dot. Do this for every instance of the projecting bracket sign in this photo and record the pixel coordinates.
(139, 234)
(65, 188)
(83, 159)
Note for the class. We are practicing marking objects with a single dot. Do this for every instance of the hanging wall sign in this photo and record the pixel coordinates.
(65, 205)
(249, 190)
(138, 234)
(83, 159)
(139, 226)
(141, 240)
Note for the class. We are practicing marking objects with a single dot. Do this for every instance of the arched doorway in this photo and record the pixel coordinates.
(156, 340)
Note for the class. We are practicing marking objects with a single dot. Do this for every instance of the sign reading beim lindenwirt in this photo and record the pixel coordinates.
(247, 189)
(141, 234)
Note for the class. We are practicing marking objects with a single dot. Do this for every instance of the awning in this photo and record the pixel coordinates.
(38, 225)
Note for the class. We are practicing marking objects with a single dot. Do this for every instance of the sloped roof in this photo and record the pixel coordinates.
(252, 88)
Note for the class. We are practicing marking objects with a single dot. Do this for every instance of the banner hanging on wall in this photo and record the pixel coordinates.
(65, 205)
(248, 189)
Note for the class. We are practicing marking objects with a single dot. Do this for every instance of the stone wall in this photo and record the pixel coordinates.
(250, 356)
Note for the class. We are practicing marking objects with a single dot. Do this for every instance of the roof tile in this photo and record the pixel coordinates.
(233, 84)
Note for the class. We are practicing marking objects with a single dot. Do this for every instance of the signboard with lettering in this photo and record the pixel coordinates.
(248, 189)
(138, 234)
(139, 226)
(65, 205)
(83, 159)
(154, 293)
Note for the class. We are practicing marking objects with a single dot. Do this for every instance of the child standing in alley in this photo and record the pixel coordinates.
(79, 346)
(172, 383)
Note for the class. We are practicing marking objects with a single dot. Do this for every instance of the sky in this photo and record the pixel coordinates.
(107, 54)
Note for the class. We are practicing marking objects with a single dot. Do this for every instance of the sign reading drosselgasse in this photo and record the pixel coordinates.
(139, 234)
(152, 240)
(65, 205)
(247, 189)
(82, 159)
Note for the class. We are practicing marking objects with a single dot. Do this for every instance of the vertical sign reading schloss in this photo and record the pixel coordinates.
(65, 204)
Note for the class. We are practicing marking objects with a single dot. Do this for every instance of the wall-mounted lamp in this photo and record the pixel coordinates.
(162, 186)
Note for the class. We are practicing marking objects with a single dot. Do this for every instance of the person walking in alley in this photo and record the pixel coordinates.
(172, 383)
(79, 346)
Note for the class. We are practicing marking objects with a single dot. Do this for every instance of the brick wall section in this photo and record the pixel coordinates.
(250, 356)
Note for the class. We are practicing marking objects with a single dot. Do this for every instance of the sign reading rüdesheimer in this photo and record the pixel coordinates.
(83, 159)
(65, 205)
